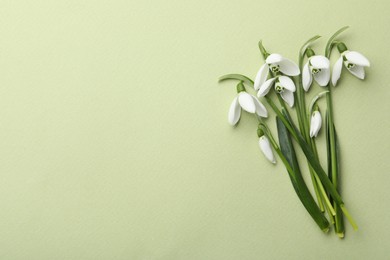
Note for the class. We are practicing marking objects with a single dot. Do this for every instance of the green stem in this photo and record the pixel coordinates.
(339, 225)
(334, 176)
(316, 188)
(349, 217)
(263, 50)
(332, 138)
(298, 112)
(281, 101)
(324, 196)
(326, 200)
(304, 123)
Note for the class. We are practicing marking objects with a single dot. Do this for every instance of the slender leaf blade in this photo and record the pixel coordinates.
(299, 184)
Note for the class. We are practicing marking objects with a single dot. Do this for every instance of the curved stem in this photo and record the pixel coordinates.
(314, 101)
(331, 41)
(303, 49)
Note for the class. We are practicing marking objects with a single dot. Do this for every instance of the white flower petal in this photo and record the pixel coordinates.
(288, 96)
(246, 102)
(322, 77)
(357, 58)
(234, 112)
(338, 66)
(264, 89)
(306, 77)
(288, 67)
(261, 76)
(265, 147)
(274, 58)
(260, 108)
(357, 71)
(315, 123)
(319, 62)
(287, 83)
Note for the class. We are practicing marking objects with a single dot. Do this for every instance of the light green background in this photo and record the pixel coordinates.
(114, 141)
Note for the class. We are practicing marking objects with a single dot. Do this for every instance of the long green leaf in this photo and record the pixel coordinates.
(299, 184)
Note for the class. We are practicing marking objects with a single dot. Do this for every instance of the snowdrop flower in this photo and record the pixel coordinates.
(353, 61)
(265, 146)
(317, 67)
(283, 86)
(275, 63)
(315, 123)
(247, 102)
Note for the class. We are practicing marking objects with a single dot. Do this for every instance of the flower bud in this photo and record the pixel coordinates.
(315, 123)
(265, 147)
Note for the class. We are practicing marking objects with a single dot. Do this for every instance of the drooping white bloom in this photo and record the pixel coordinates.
(283, 85)
(315, 123)
(353, 61)
(317, 67)
(247, 102)
(266, 148)
(276, 63)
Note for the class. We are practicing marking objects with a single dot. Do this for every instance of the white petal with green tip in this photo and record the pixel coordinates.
(288, 96)
(266, 148)
(246, 102)
(234, 112)
(261, 76)
(338, 66)
(287, 83)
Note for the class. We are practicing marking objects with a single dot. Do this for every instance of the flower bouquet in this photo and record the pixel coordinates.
(282, 80)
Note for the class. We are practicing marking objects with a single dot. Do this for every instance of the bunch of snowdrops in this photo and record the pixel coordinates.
(279, 78)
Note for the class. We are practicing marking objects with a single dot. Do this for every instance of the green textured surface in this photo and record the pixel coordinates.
(115, 142)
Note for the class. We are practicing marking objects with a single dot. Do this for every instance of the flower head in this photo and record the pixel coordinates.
(315, 123)
(247, 102)
(317, 67)
(283, 86)
(275, 63)
(352, 60)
